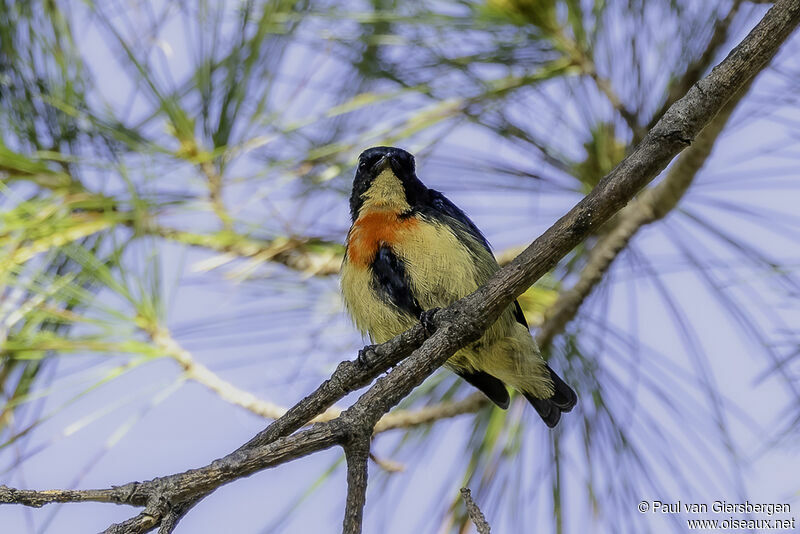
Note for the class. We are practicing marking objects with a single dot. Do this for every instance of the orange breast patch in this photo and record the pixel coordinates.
(372, 230)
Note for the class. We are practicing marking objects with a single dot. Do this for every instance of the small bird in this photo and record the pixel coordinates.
(410, 250)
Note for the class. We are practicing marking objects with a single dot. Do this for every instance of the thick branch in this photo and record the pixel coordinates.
(143, 522)
(694, 71)
(171, 496)
(247, 400)
(650, 206)
(682, 122)
(357, 455)
(348, 377)
(228, 392)
(466, 319)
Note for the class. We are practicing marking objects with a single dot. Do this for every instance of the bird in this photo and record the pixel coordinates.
(410, 251)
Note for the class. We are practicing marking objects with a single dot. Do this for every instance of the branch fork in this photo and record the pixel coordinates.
(167, 499)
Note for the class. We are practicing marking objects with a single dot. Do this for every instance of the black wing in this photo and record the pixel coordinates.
(518, 315)
(489, 386)
(442, 204)
(391, 281)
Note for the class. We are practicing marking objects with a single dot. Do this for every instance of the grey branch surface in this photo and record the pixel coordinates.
(475, 513)
(651, 205)
(356, 454)
(166, 499)
(694, 71)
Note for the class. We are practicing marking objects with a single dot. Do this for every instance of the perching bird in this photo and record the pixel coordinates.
(410, 250)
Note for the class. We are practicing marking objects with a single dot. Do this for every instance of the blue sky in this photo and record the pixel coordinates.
(278, 335)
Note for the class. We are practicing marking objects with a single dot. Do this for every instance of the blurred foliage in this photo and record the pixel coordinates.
(136, 134)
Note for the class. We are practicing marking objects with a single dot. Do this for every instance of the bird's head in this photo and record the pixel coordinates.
(385, 181)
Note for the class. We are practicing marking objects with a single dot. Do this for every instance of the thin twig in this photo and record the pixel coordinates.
(37, 499)
(429, 414)
(215, 194)
(390, 466)
(586, 63)
(310, 256)
(228, 392)
(198, 372)
(695, 70)
(475, 513)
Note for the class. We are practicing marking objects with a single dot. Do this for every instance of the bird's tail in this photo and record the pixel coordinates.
(563, 400)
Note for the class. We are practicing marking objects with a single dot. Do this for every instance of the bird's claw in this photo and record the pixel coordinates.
(426, 318)
(365, 354)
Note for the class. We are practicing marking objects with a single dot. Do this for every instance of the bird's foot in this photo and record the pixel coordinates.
(365, 354)
(426, 318)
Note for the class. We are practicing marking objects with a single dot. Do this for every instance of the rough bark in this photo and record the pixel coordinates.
(457, 325)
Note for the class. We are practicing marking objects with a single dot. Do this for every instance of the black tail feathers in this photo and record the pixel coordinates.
(564, 397)
(563, 400)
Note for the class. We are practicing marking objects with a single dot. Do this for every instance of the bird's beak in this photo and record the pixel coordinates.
(384, 163)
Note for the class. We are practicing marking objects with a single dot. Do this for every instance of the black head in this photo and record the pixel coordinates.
(374, 161)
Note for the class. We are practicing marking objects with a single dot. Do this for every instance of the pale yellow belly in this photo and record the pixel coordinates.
(441, 270)
(372, 315)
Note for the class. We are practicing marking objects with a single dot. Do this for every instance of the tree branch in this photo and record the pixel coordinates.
(650, 206)
(465, 320)
(201, 374)
(695, 69)
(230, 393)
(37, 499)
(475, 513)
(311, 256)
(215, 194)
(143, 522)
(357, 455)
(429, 414)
